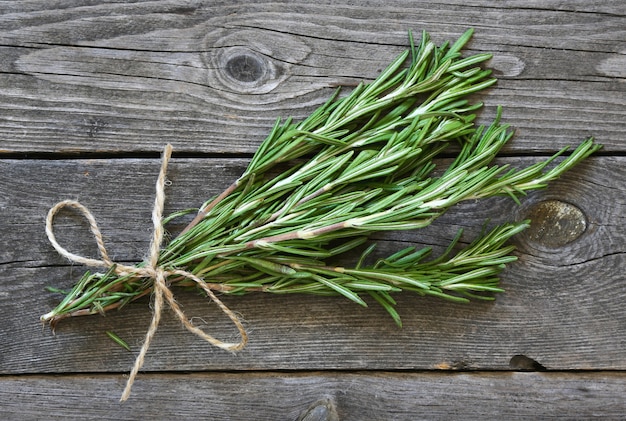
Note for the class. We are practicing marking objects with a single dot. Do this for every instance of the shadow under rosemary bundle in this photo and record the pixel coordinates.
(359, 164)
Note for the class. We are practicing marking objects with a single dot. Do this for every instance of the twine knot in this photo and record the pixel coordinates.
(152, 270)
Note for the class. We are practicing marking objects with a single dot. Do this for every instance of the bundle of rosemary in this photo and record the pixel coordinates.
(317, 189)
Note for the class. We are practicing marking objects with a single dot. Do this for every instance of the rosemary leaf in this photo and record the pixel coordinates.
(359, 164)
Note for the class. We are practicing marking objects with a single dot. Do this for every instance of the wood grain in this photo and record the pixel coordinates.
(562, 306)
(319, 396)
(129, 77)
(91, 91)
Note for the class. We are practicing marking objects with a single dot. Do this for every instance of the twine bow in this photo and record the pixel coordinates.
(151, 270)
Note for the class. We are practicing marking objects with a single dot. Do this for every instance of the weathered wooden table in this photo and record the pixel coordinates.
(91, 91)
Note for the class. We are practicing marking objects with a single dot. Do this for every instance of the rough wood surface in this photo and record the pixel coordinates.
(319, 396)
(563, 305)
(213, 77)
(89, 93)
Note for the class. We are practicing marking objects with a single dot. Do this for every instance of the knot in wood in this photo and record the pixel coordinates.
(245, 68)
(250, 61)
(555, 223)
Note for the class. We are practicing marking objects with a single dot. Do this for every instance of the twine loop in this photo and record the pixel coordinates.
(161, 291)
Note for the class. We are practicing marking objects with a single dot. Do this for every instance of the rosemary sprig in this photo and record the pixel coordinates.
(359, 164)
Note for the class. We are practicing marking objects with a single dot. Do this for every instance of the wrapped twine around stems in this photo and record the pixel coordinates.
(151, 270)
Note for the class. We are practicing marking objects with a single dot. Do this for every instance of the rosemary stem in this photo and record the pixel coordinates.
(205, 210)
(359, 164)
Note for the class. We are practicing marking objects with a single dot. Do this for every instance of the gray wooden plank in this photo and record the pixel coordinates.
(563, 305)
(125, 77)
(318, 396)
(128, 77)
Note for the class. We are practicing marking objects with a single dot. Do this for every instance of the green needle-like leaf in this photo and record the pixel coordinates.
(361, 163)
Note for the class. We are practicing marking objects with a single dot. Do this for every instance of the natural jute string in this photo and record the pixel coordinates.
(152, 270)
